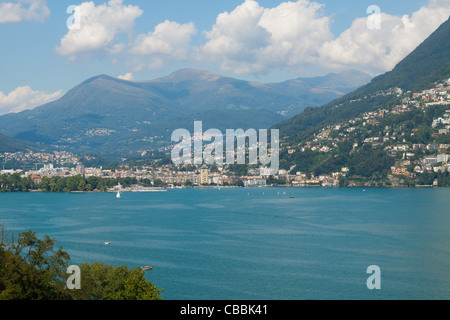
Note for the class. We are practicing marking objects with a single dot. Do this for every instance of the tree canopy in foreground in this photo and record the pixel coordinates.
(33, 269)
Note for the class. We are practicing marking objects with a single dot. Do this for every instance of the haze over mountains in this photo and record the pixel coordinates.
(109, 116)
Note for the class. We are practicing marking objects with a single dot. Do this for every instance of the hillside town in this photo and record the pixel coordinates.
(387, 128)
(65, 165)
(373, 128)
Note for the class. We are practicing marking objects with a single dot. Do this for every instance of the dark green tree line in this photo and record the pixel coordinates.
(33, 269)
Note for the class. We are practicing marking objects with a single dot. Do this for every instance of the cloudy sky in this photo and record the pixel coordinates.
(48, 46)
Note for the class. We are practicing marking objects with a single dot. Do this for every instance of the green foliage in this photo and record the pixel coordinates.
(158, 183)
(8, 144)
(14, 183)
(106, 282)
(367, 162)
(370, 161)
(32, 269)
(425, 65)
(274, 181)
(238, 169)
(428, 177)
(188, 183)
(315, 117)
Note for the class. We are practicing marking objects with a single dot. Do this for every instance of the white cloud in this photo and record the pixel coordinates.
(252, 38)
(108, 29)
(296, 29)
(128, 76)
(296, 35)
(25, 98)
(236, 40)
(169, 42)
(100, 28)
(24, 10)
(379, 50)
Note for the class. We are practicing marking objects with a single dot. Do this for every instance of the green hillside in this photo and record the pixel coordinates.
(428, 63)
(8, 144)
(394, 131)
(114, 117)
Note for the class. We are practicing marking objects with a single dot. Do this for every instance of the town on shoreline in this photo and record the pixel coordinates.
(124, 178)
(398, 153)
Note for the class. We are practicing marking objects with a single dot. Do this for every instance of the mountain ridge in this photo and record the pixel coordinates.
(8, 144)
(423, 66)
(394, 131)
(104, 113)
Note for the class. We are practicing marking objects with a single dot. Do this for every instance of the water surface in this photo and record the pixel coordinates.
(237, 243)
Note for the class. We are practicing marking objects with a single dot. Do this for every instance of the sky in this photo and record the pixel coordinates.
(49, 46)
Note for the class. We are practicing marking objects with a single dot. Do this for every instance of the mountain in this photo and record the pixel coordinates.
(394, 131)
(108, 115)
(428, 63)
(333, 84)
(8, 144)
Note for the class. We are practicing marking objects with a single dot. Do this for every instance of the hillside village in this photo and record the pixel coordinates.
(416, 149)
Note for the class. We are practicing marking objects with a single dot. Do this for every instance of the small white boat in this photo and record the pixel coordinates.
(118, 195)
(107, 243)
(146, 268)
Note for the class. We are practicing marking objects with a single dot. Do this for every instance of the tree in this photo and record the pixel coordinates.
(81, 185)
(31, 269)
(93, 182)
(239, 183)
(188, 183)
(158, 183)
(45, 184)
(105, 282)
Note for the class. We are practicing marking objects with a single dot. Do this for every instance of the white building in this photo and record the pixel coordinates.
(430, 160)
(442, 158)
(255, 183)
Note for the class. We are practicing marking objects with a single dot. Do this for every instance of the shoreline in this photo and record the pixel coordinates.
(229, 187)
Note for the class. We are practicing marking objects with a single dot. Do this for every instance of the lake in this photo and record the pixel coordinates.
(255, 243)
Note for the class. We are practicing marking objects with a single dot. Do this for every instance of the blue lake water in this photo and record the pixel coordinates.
(256, 244)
